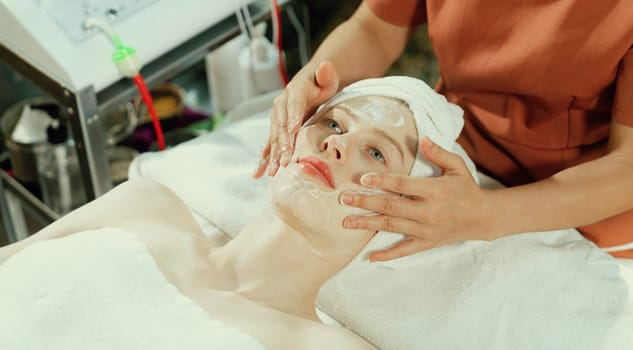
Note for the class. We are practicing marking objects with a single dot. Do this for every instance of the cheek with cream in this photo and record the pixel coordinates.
(315, 213)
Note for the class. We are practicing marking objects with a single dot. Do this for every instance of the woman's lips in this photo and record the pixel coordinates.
(318, 168)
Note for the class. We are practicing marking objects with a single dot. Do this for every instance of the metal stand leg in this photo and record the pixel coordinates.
(20, 230)
(14, 199)
(7, 218)
(90, 142)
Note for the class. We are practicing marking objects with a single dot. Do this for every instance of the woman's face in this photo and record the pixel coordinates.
(332, 151)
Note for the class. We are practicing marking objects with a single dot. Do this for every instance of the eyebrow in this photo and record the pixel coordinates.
(377, 132)
(382, 134)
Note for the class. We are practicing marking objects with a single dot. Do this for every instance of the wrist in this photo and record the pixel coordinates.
(308, 71)
(491, 216)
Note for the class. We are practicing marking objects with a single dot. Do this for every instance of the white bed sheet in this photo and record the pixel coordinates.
(49, 301)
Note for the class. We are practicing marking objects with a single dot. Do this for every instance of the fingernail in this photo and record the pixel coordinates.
(367, 179)
(430, 145)
(285, 157)
(260, 163)
(347, 198)
(269, 169)
(349, 223)
(294, 123)
(259, 166)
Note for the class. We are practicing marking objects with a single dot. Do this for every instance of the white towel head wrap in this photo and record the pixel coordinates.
(435, 117)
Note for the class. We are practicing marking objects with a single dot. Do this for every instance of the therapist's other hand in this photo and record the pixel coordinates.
(434, 212)
(307, 90)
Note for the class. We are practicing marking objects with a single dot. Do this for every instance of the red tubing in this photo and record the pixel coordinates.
(277, 19)
(147, 99)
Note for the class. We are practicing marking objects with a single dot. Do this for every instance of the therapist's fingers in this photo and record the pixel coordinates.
(383, 223)
(385, 204)
(406, 247)
(285, 144)
(398, 183)
(449, 162)
(262, 162)
(309, 90)
(301, 96)
(327, 81)
(277, 139)
(297, 104)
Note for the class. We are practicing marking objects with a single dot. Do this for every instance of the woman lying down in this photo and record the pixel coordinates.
(103, 276)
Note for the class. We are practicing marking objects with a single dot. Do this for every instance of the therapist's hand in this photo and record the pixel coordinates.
(434, 212)
(307, 90)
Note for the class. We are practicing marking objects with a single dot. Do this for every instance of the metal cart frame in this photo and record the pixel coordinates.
(85, 107)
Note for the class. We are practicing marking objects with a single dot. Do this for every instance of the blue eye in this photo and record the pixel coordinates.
(377, 155)
(332, 124)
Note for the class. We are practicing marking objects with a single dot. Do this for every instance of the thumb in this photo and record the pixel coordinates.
(326, 78)
(445, 160)
(304, 98)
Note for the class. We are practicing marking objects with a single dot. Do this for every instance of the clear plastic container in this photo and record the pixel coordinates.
(59, 174)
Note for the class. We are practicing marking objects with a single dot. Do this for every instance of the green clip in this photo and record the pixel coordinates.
(121, 51)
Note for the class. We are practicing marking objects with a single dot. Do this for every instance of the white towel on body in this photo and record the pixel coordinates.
(101, 289)
(212, 174)
(551, 290)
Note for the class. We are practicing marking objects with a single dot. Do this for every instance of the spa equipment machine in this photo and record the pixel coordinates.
(48, 43)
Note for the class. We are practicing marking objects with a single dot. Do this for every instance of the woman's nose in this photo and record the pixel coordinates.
(335, 147)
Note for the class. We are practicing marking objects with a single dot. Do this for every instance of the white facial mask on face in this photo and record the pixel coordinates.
(314, 212)
(379, 111)
(376, 110)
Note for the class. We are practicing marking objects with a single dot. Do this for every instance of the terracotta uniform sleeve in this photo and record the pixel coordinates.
(623, 104)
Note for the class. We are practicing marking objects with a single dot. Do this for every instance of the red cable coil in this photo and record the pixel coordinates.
(277, 21)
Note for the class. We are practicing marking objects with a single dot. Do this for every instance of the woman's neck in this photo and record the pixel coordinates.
(271, 262)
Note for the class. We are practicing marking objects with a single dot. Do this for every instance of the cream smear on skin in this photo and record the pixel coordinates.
(314, 211)
(377, 112)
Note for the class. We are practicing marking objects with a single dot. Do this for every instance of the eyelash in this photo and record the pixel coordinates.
(334, 125)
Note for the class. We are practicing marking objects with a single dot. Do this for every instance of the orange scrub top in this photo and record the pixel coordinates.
(539, 82)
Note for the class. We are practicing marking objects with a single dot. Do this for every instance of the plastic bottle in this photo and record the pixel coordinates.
(259, 72)
(225, 86)
(58, 170)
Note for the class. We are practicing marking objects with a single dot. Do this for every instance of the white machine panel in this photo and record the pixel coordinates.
(71, 14)
(49, 33)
